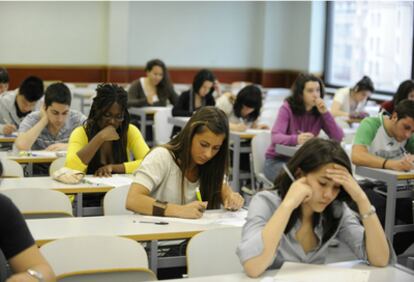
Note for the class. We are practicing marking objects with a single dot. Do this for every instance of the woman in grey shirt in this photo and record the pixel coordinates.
(297, 222)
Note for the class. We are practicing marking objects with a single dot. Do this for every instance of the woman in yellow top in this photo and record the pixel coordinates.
(105, 143)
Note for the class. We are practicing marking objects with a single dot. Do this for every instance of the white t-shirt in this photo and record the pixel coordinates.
(160, 174)
(225, 103)
(343, 97)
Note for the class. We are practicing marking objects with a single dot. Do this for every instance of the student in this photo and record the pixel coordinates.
(242, 110)
(15, 105)
(165, 184)
(300, 118)
(297, 221)
(200, 94)
(49, 129)
(4, 80)
(18, 247)
(350, 102)
(387, 143)
(404, 91)
(106, 142)
(154, 89)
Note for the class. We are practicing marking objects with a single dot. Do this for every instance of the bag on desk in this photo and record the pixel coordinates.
(68, 176)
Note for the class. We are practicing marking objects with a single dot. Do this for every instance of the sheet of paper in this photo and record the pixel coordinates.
(300, 272)
(237, 218)
(115, 180)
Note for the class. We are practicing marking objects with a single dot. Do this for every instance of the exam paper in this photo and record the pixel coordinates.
(114, 181)
(300, 272)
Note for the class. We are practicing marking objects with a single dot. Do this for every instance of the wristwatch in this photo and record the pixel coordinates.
(158, 208)
(371, 211)
(35, 274)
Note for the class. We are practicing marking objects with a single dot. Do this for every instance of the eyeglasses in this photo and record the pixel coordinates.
(119, 118)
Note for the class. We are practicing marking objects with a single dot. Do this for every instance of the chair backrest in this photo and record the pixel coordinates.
(89, 255)
(162, 128)
(260, 143)
(40, 203)
(129, 275)
(213, 252)
(56, 164)
(115, 200)
(12, 168)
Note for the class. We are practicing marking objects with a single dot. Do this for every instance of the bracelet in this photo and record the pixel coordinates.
(158, 208)
(383, 164)
(371, 211)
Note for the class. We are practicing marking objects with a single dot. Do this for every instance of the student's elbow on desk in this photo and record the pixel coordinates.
(20, 144)
(252, 269)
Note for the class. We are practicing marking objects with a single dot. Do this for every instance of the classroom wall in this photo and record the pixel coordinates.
(53, 33)
(267, 42)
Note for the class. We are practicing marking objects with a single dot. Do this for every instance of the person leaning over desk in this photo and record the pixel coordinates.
(243, 110)
(307, 210)
(49, 129)
(18, 247)
(166, 182)
(105, 143)
(388, 143)
(16, 104)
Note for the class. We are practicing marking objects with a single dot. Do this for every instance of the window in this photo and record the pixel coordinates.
(369, 38)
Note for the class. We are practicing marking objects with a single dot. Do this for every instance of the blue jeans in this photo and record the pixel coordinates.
(272, 168)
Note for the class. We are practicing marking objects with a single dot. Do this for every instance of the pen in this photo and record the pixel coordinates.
(288, 173)
(198, 195)
(154, 222)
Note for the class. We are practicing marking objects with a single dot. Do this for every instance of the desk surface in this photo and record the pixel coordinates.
(374, 172)
(45, 230)
(48, 183)
(7, 138)
(386, 274)
(42, 157)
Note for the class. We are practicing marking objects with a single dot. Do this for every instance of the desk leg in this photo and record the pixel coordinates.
(82, 104)
(143, 128)
(390, 207)
(153, 256)
(236, 164)
(29, 169)
(79, 204)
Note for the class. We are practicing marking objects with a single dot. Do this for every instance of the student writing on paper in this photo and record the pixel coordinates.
(16, 104)
(297, 221)
(405, 91)
(49, 129)
(19, 248)
(105, 143)
(388, 143)
(242, 110)
(4, 80)
(200, 94)
(350, 102)
(300, 118)
(165, 183)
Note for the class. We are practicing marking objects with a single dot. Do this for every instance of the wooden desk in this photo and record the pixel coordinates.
(7, 138)
(392, 179)
(129, 226)
(143, 112)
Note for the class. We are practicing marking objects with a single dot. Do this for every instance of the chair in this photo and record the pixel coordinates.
(162, 128)
(114, 201)
(213, 252)
(40, 203)
(260, 143)
(12, 168)
(56, 164)
(97, 258)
